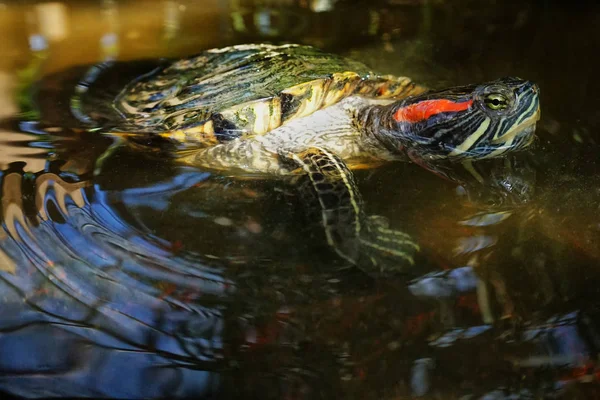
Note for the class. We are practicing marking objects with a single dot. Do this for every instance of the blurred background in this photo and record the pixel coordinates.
(437, 42)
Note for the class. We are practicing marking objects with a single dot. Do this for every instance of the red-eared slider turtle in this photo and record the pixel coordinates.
(292, 109)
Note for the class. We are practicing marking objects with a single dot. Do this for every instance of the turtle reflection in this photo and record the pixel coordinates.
(110, 295)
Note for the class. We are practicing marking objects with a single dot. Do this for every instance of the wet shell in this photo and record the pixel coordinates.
(245, 90)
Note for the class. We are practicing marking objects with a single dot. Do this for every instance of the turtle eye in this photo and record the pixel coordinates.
(495, 101)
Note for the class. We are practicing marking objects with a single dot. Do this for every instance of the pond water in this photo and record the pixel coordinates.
(124, 274)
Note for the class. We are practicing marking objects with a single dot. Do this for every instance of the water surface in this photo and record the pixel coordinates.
(133, 277)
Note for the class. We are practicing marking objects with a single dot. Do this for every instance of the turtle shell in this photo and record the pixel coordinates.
(243, 90)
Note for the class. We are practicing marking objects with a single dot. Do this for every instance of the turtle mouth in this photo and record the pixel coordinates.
(526, 127)
(519, 137)
(528, 133)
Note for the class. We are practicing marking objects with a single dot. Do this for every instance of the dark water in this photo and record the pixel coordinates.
(132, 277)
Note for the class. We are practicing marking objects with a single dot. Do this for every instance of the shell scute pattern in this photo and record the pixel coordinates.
(242, 90)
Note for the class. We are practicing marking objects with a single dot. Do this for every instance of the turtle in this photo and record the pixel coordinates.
(294, 110)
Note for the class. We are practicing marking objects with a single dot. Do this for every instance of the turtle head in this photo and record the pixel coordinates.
(467, 122)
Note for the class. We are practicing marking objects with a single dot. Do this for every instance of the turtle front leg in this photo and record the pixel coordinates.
(366, 241)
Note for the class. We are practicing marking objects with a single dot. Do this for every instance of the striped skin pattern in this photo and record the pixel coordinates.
(335, 128)
(451, 124)
(281, 110)
(458, 124)
(326, 145)
(246, 90)
(364, 240)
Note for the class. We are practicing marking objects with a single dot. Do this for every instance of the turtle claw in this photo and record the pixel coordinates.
(384, 251)
(366, 241)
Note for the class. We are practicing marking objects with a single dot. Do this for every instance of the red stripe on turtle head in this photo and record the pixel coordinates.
(423, 110)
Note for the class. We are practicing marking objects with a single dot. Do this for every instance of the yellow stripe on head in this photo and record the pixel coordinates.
(470, 141)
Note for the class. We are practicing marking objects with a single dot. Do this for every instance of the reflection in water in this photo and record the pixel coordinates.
(85, 290)
(142, 280)
(95, 293)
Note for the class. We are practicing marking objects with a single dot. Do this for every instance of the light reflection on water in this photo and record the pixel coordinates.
(134, 278)
(82, 276)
